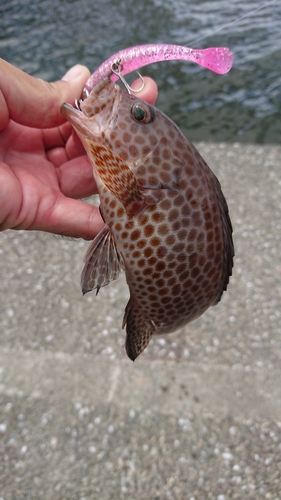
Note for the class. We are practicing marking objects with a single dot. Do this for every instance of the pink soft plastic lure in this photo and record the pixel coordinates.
(217, 59)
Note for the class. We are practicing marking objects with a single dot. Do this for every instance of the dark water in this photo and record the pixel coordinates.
(46, 37)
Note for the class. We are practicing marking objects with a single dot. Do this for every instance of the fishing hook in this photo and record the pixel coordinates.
(116, 68)
(78, 102)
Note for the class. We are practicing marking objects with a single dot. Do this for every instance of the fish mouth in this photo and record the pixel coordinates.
(97, 113)
(74, 116)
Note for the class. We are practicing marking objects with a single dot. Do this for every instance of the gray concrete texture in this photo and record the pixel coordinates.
(197, 416)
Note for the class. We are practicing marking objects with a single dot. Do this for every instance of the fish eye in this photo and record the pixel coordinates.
(142, 113)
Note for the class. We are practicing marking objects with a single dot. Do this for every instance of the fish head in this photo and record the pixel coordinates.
(97, 113)
(112, 117)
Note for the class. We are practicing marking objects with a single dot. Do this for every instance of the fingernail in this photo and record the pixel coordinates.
(73, 73)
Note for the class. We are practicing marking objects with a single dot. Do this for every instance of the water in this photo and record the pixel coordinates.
(46, 37)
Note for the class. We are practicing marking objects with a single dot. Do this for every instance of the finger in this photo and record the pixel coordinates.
(74, 146)
(150, 91)
(76, 178)
(33, 102)
(62, 144)
(56, 136)
(73, 218)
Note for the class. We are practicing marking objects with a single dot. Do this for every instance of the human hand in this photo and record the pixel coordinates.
(43, 166)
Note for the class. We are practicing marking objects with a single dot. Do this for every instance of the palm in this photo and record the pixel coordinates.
(45, 170)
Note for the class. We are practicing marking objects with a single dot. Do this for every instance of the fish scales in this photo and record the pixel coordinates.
(166, 219)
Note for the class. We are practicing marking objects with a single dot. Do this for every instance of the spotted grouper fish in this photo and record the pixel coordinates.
(166, 219)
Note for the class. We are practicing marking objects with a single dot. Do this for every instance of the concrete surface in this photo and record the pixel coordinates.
(197, 416)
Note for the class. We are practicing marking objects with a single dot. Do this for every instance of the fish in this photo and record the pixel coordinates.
(166, 220)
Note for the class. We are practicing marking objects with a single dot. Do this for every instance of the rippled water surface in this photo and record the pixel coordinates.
(46, 37)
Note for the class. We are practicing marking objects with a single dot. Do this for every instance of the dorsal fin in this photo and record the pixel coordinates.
(228, 241)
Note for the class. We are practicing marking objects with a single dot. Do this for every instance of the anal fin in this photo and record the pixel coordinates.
(103, 262)
(139, 332)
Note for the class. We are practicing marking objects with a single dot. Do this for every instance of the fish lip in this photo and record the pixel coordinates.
(74, 116)
(81, 123)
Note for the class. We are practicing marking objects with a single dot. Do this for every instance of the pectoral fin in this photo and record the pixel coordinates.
(139, 332)
(154, 172)
(103, 262)
(117, 177)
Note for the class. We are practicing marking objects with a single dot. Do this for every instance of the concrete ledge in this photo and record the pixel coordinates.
(197, 416)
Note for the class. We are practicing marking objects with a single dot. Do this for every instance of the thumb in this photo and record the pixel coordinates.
(33, 102)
